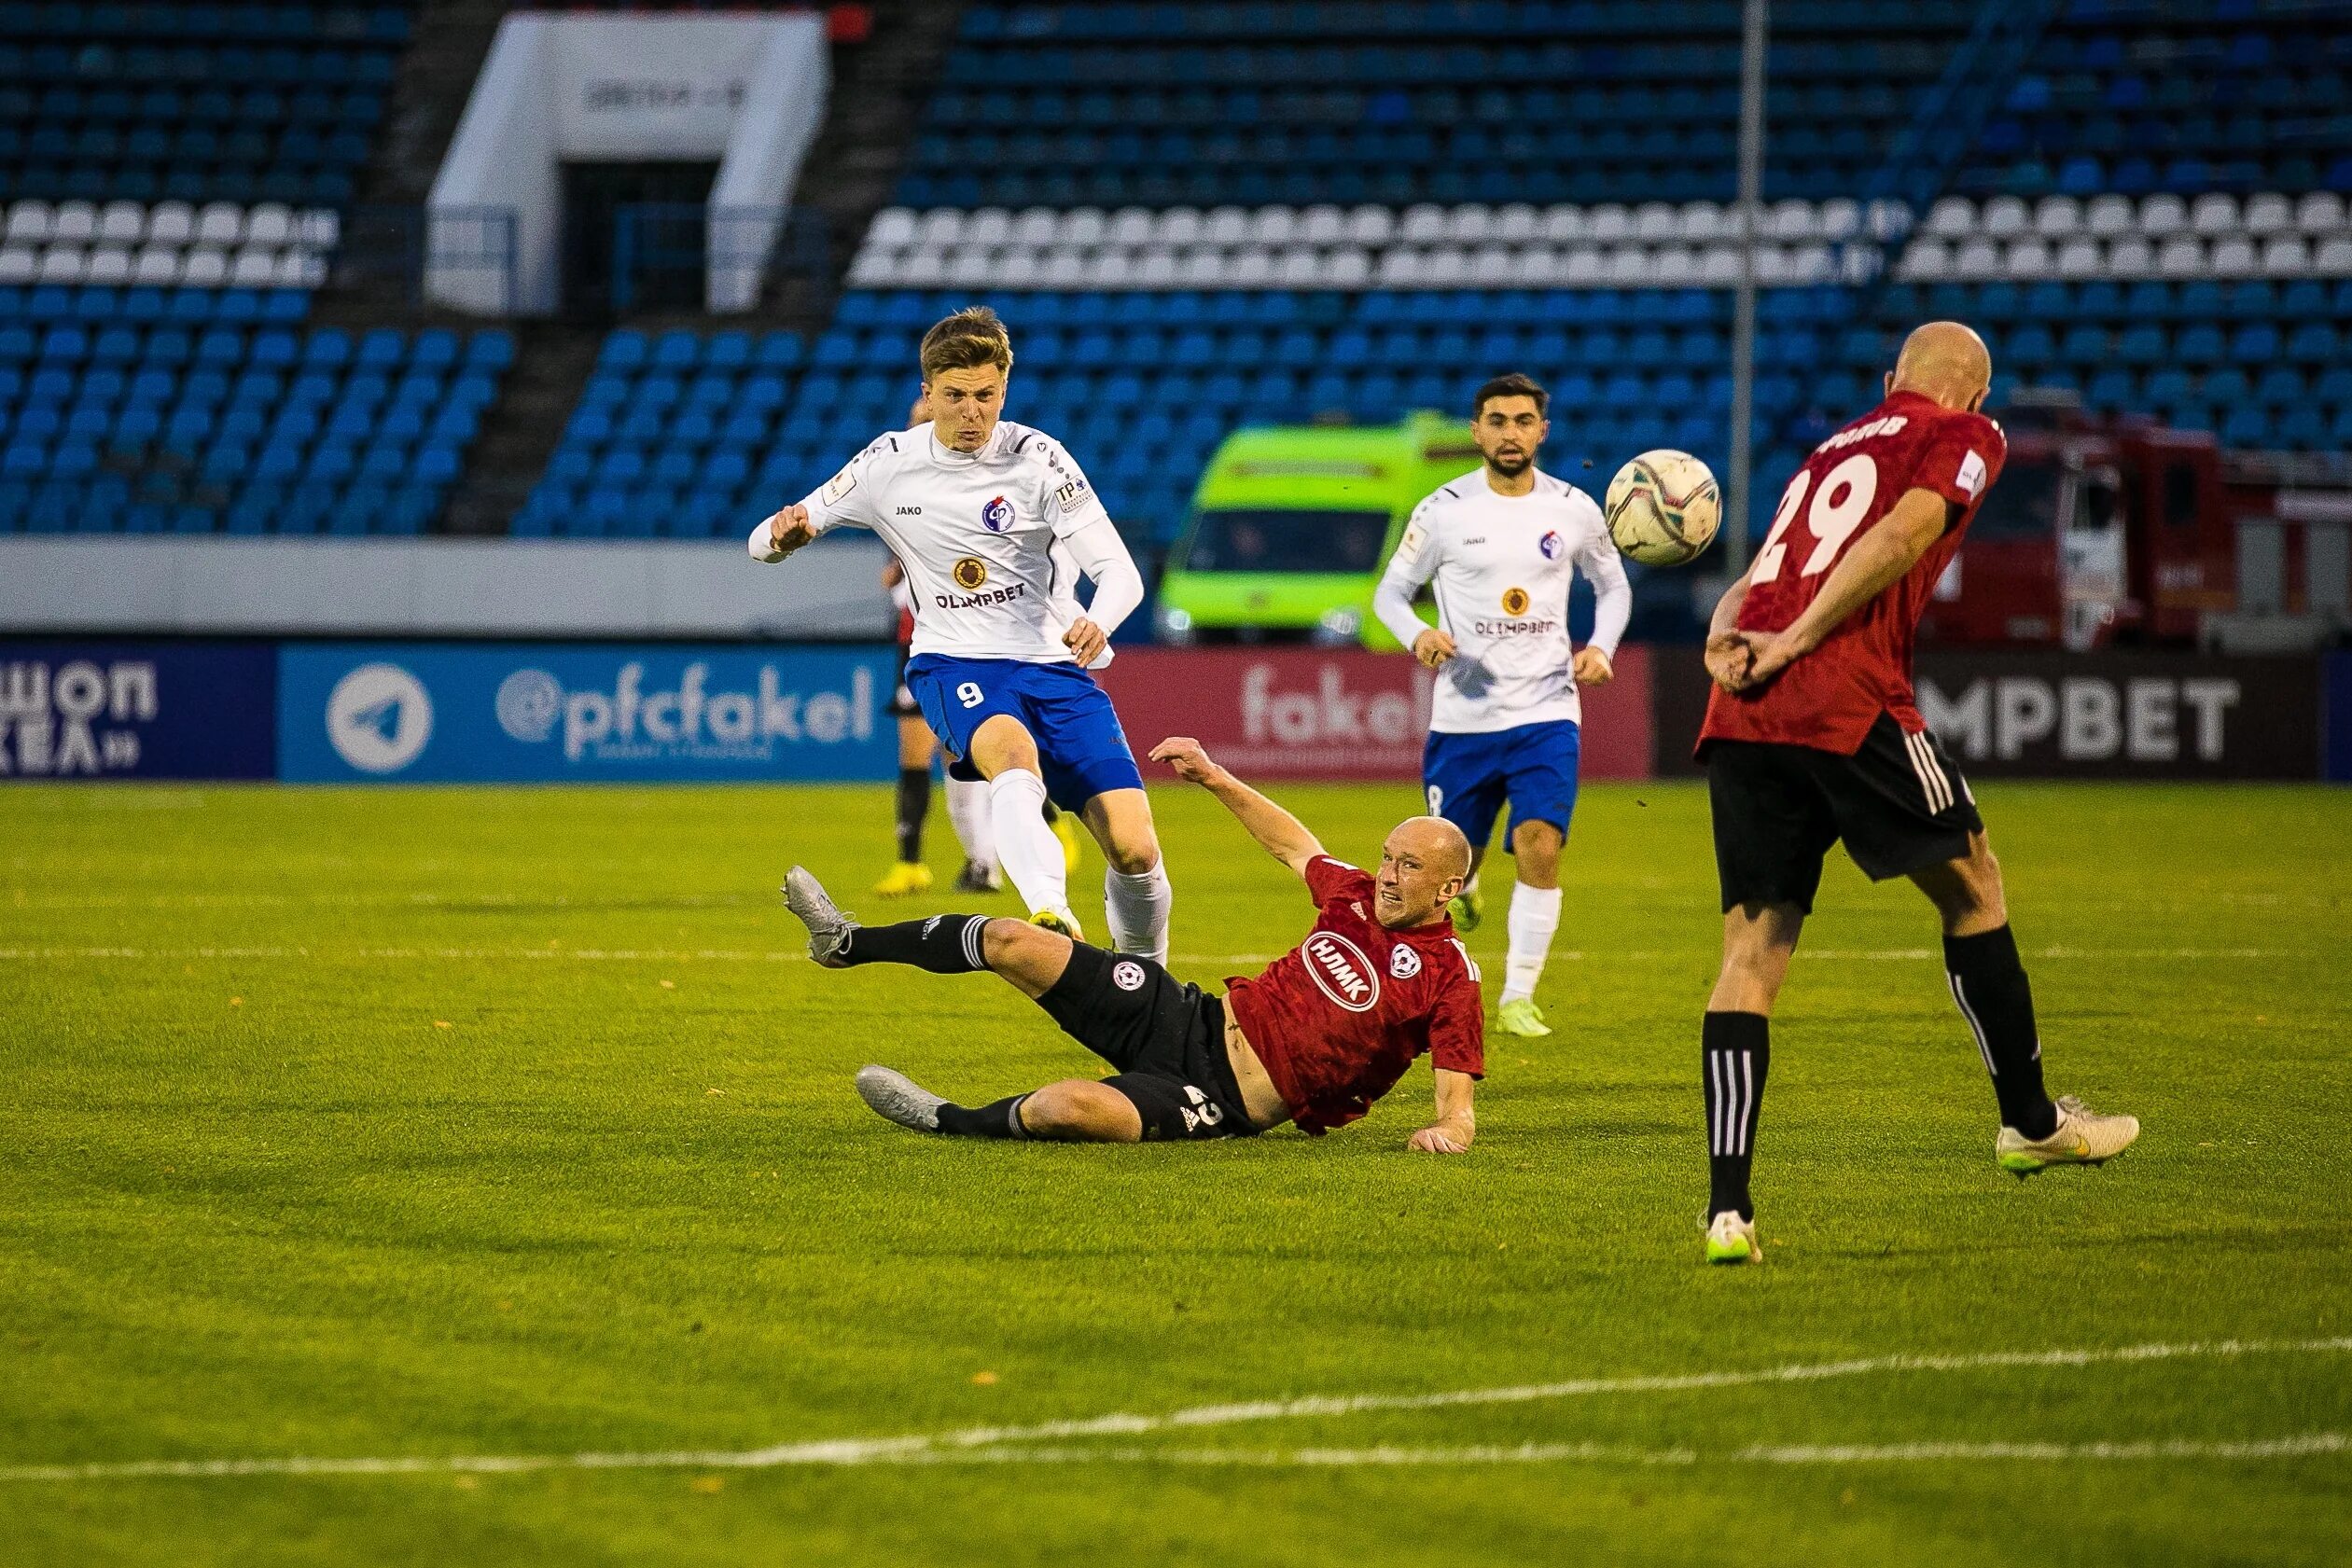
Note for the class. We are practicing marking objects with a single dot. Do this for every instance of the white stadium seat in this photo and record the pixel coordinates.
(2109, 216)
(1323, 225)
(1274, 226)
(1347, 267)
(1701, 221)
(2131, 257)
(1299, 266)
(1841, 219)
(2333, 257)
(1084, 226)
(1954, 217)
(255, 267)
(2058, 217)
(1674, 266)
(1582, 266)
(29, 223)
(109, 266)
(1608, 224)
(1518, 224)
(1793, 221)
(1064, 268)
(1566, 224)
(2213, 213)
(1720, 266)
(2004, 218)
(2269, 213)
(270, 223)
(2233, 256)
(122, 223)
(1628, 267)
(1470, 224)
(2029, 257)
(1181, 226)
(2286, 256)
(63, 264)
(1924, 260)
(941, 225)
(2319, 213)
(76, 222)
(1370, 226)
(2163, 215)
(220, 223)
(2081, 259)
(171, 223)
(1253, 267)
(19, 265)
(1656, 222)
(1976, 260)
(157, 267)
(1422, 225)
(892, 226)
(2181, 256)
(992, 226)
(1226, 225)
(1130, 226)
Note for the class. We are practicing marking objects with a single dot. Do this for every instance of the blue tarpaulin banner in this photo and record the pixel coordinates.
(118, 710)
(582, 713)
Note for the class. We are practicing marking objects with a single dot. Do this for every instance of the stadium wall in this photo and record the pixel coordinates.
(348, 711)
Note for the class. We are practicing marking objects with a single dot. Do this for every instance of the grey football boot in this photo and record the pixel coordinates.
(898, 1098)
(828, 927)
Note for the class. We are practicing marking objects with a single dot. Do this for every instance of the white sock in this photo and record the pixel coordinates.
(1534, 915)
(1137, 909)
(968, 813)
(1031, 855)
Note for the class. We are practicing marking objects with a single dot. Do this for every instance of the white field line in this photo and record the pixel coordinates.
(740, 955)
(1009, 1443)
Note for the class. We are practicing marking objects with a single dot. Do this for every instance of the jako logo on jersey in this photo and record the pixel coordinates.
(970, 572)
(1127, 975)
(1341, 971)
(997, 516)
(910, 511)
(1514, 601)
(1550, 545)
(1403, 962)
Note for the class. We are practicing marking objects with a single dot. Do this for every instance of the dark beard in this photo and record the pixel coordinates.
(1513, 472)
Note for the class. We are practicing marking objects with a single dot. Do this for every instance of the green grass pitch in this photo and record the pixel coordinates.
(422, 1123)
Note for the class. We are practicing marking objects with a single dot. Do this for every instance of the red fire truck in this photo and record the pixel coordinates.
(2125, 532)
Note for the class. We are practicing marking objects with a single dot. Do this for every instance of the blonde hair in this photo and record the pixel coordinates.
(967, 341)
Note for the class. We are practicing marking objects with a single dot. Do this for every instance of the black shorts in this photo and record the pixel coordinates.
(1167, 1038)
(1898, 804)
(903, 703)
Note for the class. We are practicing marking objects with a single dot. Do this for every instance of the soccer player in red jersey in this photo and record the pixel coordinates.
(1811, 736)
(1328, 1028)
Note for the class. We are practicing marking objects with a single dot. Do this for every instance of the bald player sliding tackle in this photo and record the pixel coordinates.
(1328, 1028)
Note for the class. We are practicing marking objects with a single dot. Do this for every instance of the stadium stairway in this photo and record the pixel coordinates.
(436, 75)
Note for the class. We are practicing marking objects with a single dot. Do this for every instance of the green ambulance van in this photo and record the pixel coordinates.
(1291, 528)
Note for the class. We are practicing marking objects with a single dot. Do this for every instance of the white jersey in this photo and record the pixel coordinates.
(1500, 567)
(990, 540)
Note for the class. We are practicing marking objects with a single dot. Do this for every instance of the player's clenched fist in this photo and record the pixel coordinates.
(1433, 648)
(1085, 640)
(790, 529)
(1729, 659)
(1591, 667)
(1184, 754)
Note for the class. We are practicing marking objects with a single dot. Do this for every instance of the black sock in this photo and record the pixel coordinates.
(1735, 1050)
(944, 944)
(914, 803)
(1989, 983)
(1001, 1119)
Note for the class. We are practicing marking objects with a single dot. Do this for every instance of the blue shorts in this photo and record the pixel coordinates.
(1081, 748)
(1468, 777)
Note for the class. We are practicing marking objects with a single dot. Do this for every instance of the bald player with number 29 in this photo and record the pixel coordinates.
(1811, 736)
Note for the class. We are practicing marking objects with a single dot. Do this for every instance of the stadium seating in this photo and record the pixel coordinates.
(191, 102)
(123, 243)
(157, 424)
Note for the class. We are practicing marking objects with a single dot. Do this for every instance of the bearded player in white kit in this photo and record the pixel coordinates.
(1500, 548)
(974, 505)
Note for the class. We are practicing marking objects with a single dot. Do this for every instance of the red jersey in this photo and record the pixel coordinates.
(1337, 1019)
(1829, 697)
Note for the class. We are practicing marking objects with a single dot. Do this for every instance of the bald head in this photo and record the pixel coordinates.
(1422, 865)
(1946, 362)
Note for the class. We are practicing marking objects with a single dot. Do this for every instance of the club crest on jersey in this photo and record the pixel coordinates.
(1514, 601)
(1403, 962)
(1127, 975)
(997, 516)
(970, 573)
(1341, 971)
(1549, 544)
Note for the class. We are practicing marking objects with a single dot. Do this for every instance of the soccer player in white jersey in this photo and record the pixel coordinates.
(973, 507)
(1500, 547)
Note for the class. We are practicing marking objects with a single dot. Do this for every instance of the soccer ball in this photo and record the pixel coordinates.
(1663, 508)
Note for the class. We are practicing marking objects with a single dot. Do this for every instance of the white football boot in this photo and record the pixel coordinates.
(2082, 1137)
(1732, 1240)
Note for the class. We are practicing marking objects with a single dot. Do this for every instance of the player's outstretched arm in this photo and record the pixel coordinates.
(779, 536)
(1457, 1121)
(1284, 836)
(1878, 560)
